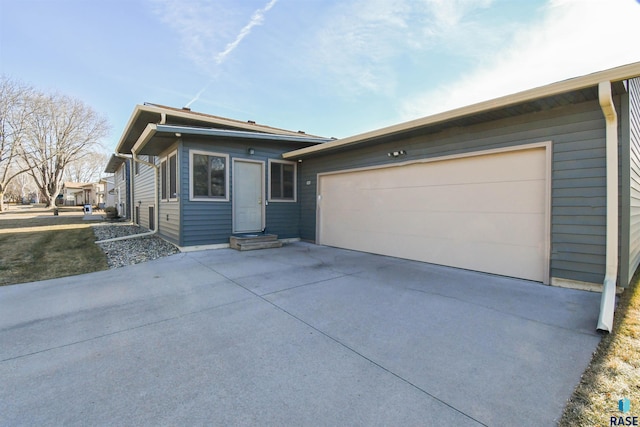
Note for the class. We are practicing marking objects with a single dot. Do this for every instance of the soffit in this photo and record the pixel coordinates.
(576, 90)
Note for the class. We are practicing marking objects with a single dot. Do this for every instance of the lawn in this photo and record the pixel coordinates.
(614, 372)
(36, 245)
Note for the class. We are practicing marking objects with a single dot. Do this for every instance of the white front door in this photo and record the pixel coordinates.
(248, 196)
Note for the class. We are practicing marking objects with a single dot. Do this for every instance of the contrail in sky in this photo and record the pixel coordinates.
(256, 19)
(195, 98)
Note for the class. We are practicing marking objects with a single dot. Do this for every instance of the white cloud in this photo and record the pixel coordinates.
(575, 37)
(360, 43)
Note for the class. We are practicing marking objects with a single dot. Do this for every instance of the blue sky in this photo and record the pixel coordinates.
(330, 68)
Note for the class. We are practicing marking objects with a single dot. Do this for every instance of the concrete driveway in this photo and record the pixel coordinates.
(302, 335)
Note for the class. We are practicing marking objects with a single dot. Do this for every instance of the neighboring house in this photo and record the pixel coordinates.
(120, 193)
(82, 193)
(542, 185)
(109, 193)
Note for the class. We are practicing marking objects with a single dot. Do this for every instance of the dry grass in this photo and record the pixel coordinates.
(36, 245)
(614, 372)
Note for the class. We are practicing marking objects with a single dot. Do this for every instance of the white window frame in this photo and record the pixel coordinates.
(227, 166)
(163, 182)
(295, 182)
(167, 182)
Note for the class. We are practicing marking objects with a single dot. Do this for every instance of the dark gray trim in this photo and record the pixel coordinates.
(187, 130)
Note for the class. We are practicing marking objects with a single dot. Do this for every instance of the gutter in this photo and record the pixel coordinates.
(608, 300)
(135, 158)
(614, 74)
(129, 202)
(149, 131)
(229, 133)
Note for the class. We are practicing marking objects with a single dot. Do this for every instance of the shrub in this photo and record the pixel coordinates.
(111, 212)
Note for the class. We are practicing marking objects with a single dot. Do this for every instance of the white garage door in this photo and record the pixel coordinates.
(485, 212)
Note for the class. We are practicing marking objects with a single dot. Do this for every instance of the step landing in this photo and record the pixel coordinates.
(249, 242)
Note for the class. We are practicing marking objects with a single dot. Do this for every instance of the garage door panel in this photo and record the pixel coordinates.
(486, 256)
(438, 197)
(432, 212)
(492, 228)
(526, 165)
(458, 198)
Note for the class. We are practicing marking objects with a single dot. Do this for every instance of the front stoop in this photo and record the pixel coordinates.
(249, 242)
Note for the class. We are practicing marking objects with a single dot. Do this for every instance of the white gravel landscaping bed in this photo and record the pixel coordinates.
(130, 251)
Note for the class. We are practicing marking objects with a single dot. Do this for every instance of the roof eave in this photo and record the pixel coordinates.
(125, 143)
(113, 164)
(614, 75)
(162, 131)
(188, 130)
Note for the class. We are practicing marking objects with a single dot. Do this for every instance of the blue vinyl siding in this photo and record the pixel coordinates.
(208, 222)
(633, 190)
(169, 210)
(122, 190)
(143, 191)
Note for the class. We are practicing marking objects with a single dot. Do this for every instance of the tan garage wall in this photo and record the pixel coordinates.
(486, 212)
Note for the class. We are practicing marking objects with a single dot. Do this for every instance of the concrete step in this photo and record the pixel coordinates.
(250, 246)
(254, 241)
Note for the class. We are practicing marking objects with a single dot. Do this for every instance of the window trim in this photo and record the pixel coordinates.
(163, 180)
(193, 198)
(295, 182)
(177, 176)
(167, 181)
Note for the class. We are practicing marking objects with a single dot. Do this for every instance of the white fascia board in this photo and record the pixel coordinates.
(145, 137)
(614, 74)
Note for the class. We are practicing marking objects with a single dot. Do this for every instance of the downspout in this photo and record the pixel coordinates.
(129, 202)
(134, 157)
(157, 210)
(608, 301)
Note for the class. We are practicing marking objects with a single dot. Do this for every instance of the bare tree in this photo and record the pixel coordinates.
(15, 112)
(21, 188)
(87, 168)
(61, 131)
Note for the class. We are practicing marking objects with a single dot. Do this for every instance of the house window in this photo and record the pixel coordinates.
(163, 180)
(282, 181)
(209, 176)
(173, 176)
(169, 177)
